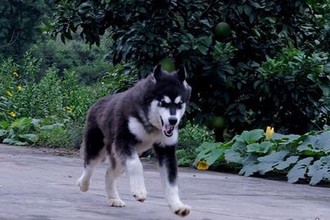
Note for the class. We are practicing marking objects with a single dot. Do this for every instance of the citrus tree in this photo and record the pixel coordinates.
(223, 45)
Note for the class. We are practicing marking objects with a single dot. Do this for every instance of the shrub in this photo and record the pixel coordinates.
(289, 91)
(300, 157)
(54, 135)
(12, 76)
(19, 132)
(190, 137)
(226, 62)
(46, 108)
(30, 131)
(41, 99)
(89, 63)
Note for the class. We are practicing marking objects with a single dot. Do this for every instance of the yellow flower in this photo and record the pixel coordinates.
(19, 88)
(9, 94)
(202, 165)
(269, 132)
(68, 108)
(12, 114)
(15, 74)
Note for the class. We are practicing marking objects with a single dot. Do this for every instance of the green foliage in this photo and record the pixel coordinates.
(18, 132)
(251, 81)
(291, 91)
(211, 152)
(88, 62)
(41, 99)
(299, 156)
(54, 135)
(191, 136)
(29, 131)
(11, 75)
(46, 108)
(19, 25)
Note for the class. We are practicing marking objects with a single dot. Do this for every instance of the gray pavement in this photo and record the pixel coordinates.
(38, 185)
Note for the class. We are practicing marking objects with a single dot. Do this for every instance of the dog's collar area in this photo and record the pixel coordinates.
(167, 129)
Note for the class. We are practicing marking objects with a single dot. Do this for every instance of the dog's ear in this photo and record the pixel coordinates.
(181, 73)
(157, 72)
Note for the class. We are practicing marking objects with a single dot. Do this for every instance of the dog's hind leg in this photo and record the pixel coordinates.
(94, 153)
(114, 171)
(84, 180)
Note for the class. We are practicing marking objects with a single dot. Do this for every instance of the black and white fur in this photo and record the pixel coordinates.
(124, 125)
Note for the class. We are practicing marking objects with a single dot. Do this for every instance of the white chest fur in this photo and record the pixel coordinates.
(148, 139)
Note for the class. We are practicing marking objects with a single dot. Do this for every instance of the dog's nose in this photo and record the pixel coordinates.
(172, 121)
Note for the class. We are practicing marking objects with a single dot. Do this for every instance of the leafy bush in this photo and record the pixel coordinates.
(303, 157)
(229, 63)
(12, 76)
(54, 135)
(89, 63)
(30, 131)
(19, 132)
(46, 108)
(40, 99)
(191, 136)
(20, 25)
(290, 91)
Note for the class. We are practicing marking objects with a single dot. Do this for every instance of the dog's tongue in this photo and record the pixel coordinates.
(168, 130)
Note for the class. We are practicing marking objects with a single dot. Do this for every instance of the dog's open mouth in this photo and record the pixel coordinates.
(167, 129)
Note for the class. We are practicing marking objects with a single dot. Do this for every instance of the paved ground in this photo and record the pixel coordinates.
(40, 186)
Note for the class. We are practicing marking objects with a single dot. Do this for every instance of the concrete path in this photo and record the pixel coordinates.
(40, 186)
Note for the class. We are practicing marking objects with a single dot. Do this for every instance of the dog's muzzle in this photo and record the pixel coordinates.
(167, 129)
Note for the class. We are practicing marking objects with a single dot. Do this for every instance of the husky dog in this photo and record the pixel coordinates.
(124, 125)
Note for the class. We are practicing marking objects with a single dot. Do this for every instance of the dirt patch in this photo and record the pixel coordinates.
(66, 152)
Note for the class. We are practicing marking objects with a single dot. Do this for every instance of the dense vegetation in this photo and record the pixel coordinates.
(251, 64)
(266, 64)
(300, 157)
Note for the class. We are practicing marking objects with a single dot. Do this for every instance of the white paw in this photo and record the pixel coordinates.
(83, 185)
(181, 210)
(116, 202)
(140, 194)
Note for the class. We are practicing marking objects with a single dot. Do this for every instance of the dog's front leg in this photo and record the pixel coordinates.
(134, 170)
(168, 173)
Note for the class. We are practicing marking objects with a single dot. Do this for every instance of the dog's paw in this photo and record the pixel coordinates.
(140, 195)
(83, 185)
(182, 210)
(116, 203)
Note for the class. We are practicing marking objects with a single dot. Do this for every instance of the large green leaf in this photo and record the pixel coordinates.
(251, 137)
(236, 153)
(205, 151)
(299, 170)
(14, 142)
(317, 143)
(286, 163)
(250, 165)
(267, 163)
(30, 138)
(259, 148)
(319, 170)
(52, 126)
(290, 139)
(3, 133)
(215, 155)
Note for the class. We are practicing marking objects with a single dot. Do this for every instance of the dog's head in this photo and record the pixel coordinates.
(171, 95)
